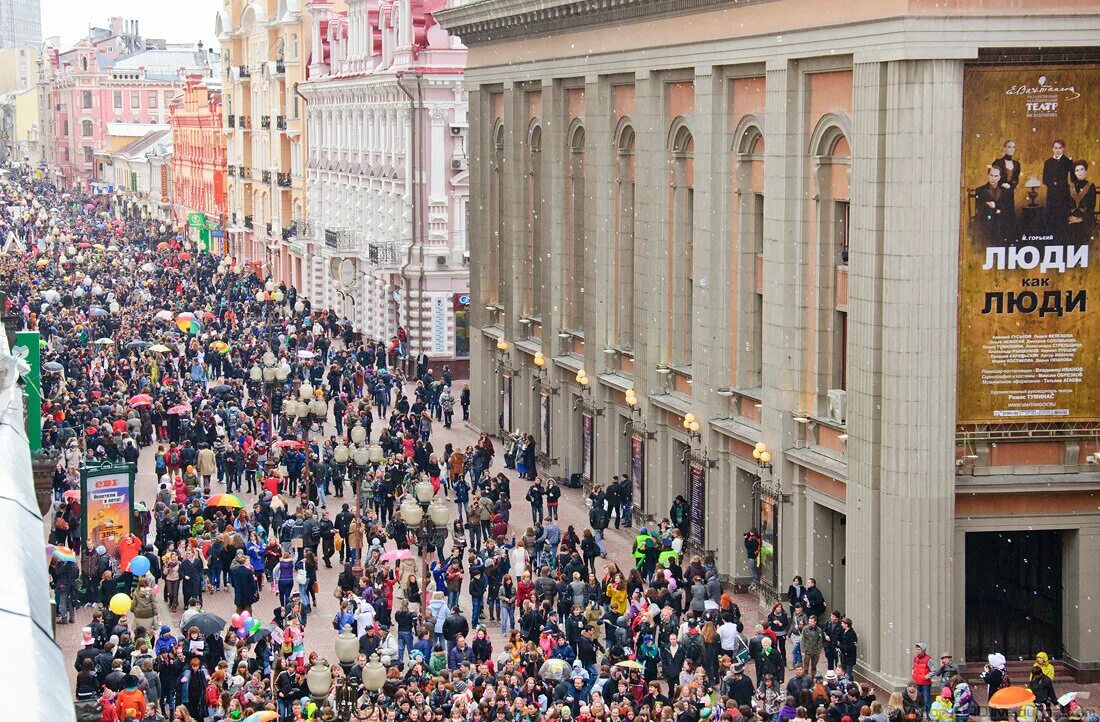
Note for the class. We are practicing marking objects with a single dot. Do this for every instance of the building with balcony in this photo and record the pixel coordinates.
(110, 77)
(387, 179)
(266, 46)
(726, 248)
(199, 167)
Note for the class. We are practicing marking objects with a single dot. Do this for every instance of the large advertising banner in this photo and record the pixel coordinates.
(1029, 336)
(107, 503)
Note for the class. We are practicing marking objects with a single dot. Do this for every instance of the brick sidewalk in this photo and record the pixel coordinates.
(320, 635)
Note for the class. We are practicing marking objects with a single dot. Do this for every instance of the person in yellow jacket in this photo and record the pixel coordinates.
(943, 707)
(1042, 661)
(616, 594)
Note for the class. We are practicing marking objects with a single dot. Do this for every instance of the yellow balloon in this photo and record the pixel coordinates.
(120, 604)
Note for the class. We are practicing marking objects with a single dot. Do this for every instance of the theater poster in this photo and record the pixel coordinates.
(107, 503)
(1029, 331)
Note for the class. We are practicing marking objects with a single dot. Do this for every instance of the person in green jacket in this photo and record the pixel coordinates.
(438, 661)
(668, 555)
(639, 547)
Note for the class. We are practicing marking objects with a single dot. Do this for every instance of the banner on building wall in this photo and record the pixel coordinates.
(439, 325)
(697, 496)
(588, 450)
(637, 469)
(544, 423)
(107, 503)
(505, 403)
(1028, 331)
(768, 524)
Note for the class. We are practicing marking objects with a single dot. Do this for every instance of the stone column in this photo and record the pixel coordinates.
(650, 261)
(1081, 549)
(481, 373)
(785, 295)
(897, 595)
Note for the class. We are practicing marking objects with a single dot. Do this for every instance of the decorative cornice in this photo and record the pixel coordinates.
(488, 21)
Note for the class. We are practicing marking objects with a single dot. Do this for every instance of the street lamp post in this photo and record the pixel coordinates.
(425, 511)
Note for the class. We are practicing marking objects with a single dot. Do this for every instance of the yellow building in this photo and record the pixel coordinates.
(18, 68)
(21, 136)
(265, 48)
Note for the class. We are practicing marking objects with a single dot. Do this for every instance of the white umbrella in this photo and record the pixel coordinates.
(303, 353)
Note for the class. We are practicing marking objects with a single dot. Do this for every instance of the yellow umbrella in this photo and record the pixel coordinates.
(41, 262)
(159, 348)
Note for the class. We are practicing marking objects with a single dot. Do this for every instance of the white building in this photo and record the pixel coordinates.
(386, 173)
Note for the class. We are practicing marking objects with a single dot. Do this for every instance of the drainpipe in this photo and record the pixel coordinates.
(416, 161)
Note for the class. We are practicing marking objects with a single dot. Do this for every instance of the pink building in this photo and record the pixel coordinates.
(111, 76)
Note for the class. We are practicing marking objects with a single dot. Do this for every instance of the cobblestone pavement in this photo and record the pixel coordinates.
(320, 635)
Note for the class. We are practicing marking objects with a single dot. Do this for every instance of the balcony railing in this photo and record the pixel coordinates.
(280, 122)
(265, 122)
(268, 228)
(265, 176)
(232, 171)
(382, 254)
(290, 231)
(243, 72)
(248, 222)
(232, 121)
(280, 67)
(283, 180)
(245, 172)
(245, 122)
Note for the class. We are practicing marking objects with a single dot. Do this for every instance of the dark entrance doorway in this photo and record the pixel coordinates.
(1013, 593)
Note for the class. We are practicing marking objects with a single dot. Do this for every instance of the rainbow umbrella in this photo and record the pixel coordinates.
(262, 716)
(188, 325)
(65, 554)
(220, 347)
(225, 500)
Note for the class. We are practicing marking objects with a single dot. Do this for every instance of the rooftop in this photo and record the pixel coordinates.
(157, 140)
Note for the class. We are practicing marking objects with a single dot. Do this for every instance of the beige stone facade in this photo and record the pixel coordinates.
(265, 47)
(749, 212)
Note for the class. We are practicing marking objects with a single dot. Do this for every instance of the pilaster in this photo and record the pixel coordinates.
(864, 392)
(916, 491)
(785, 299)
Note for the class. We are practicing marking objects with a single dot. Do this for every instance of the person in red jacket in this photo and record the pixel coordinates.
(922, 673)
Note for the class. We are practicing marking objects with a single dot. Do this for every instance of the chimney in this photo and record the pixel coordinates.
(115, 24)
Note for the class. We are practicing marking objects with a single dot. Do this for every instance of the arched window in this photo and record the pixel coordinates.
(746, 239)
(497, 205)
(623, 266)
(681, 225)
(573, 283)
(86, 128)
(832, 162)
(536, 286)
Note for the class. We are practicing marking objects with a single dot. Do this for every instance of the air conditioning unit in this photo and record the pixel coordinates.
(458, 164)
(441, 260)
(456, 130)
(838, 405)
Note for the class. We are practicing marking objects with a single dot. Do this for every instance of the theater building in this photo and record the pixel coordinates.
(753, 253)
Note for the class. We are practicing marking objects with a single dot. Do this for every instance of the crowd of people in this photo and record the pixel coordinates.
(149, 347)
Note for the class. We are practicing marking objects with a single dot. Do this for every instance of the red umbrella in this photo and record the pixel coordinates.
(207, 315)
(163, 245)
(288, 444)
(84, 244)
(185, 256)
(180, 409)
(119, 426)
(141, 400)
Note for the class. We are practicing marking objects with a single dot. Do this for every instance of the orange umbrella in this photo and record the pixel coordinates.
(1011, 698)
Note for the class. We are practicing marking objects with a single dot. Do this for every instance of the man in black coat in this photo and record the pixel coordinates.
(454, 625)
(737, 686)
(243, 579)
